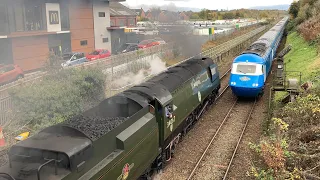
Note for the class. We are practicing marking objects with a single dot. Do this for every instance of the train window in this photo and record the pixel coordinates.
(213, 71)
(169, 111)
(244, 68)
(151, 109)
(204, 76)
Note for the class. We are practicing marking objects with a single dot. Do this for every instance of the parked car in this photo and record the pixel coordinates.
(98, 54)
(9, 73)
(128, 47)
(73, 58)
(159, 40)
(146, 43)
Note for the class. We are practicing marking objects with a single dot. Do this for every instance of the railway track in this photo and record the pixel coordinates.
(209, 165)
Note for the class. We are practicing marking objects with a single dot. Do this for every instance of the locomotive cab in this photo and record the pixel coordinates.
(248, 75)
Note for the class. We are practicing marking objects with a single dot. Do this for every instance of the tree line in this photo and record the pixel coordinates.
(206, 14)
(305, 18)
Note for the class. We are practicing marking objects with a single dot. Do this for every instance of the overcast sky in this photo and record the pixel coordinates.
(209, 4)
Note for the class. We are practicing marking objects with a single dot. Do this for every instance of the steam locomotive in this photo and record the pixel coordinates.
(127, 136)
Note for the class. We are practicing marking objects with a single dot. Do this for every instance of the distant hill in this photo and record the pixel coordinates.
(277, 7)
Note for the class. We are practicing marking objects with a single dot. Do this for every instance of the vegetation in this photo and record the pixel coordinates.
(291, 148)
(206, 14)
(306, 19)
(57, 96)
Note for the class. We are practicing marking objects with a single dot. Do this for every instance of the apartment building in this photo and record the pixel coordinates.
(30, 29)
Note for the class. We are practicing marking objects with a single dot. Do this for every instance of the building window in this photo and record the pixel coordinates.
(28, 16)
(102, 14)
(84, 43)
(121, 22)
(33, 17)
(112, 22)
(3, 19)
(131, 22)
(104, 40)
(18, 17)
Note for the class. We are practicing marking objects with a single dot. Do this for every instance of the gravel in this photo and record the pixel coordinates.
(94, 127)
(215, 162)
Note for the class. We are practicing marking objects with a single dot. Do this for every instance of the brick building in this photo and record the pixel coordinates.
(29, 29)
(121, 17)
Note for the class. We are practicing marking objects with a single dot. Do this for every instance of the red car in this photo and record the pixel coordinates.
(98, 54)
(9, 73)
(148, 43)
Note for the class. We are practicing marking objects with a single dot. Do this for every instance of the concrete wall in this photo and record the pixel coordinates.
(101, 24)
(53, 7)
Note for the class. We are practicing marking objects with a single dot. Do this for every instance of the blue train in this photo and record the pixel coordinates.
(250, 69)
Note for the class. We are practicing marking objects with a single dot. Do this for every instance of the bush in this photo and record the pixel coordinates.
(310, 29)
(58, 96)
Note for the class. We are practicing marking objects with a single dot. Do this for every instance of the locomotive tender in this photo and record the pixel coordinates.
(251, 69)
(125, 136)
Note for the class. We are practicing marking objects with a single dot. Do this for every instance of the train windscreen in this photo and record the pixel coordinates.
(244, 68)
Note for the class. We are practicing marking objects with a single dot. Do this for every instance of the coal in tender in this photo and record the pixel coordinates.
(94, 127)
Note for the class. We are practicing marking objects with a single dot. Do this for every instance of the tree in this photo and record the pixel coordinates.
(194, 16)
(294, 9)
(228, 15)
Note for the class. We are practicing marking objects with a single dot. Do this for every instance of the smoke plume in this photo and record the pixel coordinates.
(155, 65)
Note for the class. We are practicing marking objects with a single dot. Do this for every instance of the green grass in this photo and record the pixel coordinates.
(302, 56)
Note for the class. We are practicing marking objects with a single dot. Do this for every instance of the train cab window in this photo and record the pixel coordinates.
(246, 68)
(169, 111)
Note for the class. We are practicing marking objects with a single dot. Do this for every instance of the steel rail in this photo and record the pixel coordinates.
(217, 132)
(240, 138)
(212, 139)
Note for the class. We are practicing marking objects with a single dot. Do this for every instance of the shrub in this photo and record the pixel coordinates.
(58, 96)
(310, 29)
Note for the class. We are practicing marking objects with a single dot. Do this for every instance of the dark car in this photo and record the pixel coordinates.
(128, 47)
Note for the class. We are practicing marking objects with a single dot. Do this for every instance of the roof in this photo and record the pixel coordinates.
(154, 13)
(70, 140)
(138, 11)
(251, 58)
(117, 9)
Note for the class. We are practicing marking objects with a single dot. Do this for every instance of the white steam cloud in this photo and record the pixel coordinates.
(156, 66)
